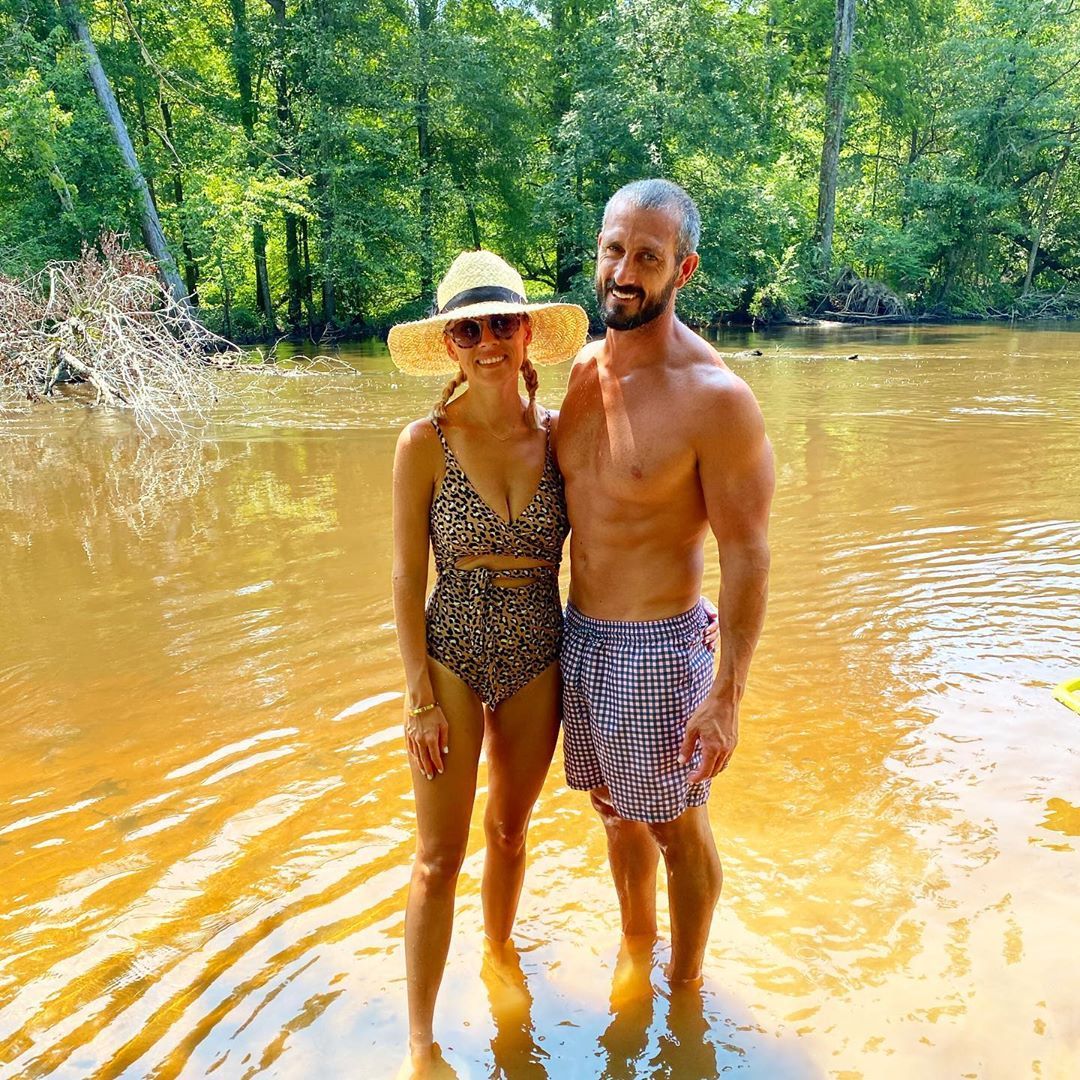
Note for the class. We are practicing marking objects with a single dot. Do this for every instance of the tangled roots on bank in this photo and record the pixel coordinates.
(105, 321)
(859, 298)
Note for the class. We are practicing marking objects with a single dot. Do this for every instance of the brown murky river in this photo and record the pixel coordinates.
(205, 816)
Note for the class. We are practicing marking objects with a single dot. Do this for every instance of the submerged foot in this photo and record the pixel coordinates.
(633, 970)
(501, 972)
(426, 1062)
(681, 982)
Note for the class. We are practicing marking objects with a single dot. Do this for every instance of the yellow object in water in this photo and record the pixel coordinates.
(1068, 693)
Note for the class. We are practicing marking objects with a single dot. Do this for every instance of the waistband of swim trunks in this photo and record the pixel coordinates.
(635, 630)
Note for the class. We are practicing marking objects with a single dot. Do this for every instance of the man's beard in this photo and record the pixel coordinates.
(645, 313)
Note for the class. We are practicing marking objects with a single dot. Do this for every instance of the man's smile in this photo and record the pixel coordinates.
(624, 292)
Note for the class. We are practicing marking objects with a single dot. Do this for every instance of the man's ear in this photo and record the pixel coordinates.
(687, 268)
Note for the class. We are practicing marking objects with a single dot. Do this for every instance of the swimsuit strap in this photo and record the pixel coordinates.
(549, 456)
(448, 454)
(438, 431)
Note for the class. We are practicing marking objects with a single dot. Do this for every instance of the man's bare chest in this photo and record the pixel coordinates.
(622, 444)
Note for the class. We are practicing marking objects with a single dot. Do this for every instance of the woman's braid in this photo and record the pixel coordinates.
(439, 412)
(532, 381)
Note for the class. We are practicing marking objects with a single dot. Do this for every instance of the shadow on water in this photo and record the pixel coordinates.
(656, 1030)
(646, 1029)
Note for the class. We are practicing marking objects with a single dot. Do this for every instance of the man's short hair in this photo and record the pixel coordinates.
(656, 194)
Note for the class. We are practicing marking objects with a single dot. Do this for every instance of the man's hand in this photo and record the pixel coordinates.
(715, 724)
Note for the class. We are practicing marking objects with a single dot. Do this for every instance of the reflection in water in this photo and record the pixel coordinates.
(513, 1047)
(206, 825)
(632, 1000)
(1062, 817)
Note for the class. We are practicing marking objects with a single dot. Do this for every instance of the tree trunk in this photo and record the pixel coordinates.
(226, 291)
(153, 235)
(287, 161)
(568, 255)
(309, 300)
(191, 267)
(144, 127)
(241, 58)
(324, 195)
(835, 104)
(425, 12)
(1044, 214)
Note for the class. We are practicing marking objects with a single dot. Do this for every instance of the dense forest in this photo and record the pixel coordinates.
(316, 164)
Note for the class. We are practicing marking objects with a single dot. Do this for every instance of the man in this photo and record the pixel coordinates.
(658, 441)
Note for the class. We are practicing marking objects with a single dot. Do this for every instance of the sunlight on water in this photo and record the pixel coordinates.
(207, 825)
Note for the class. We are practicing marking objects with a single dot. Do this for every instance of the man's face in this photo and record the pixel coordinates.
(637, 271)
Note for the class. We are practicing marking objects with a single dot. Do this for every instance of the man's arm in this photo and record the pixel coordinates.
(735, 466)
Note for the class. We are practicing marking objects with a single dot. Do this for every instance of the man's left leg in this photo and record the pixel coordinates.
(694, 880)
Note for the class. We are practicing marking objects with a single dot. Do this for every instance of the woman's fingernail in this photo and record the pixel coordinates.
(446, 749)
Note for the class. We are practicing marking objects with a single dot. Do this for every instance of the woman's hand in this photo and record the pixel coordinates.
(712, 627)
(427, 738)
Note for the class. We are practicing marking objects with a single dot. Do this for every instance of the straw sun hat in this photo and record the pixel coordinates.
(480, 283)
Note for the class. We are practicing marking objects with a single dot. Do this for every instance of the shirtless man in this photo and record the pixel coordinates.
(658, 441)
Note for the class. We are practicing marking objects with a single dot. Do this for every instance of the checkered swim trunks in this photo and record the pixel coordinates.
(628, 690)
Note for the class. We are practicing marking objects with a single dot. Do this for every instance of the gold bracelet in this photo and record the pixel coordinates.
(421, 709)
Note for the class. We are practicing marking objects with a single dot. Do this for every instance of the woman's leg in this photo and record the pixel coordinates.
(443, 809)
(521, 738)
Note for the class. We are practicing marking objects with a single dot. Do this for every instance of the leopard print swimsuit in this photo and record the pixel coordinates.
(495, 637)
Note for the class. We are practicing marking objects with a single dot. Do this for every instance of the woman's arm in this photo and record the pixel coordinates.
(414, 485)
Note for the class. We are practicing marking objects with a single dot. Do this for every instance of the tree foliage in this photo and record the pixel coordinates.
(347, 151)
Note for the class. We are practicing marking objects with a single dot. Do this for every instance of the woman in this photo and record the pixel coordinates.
(479, 483)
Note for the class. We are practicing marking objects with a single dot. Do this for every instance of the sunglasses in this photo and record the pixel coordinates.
(466, 333)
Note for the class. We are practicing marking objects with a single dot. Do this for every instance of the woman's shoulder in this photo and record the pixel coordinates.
(419, 440)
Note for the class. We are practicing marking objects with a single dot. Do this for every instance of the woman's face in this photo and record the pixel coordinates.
(499, 348)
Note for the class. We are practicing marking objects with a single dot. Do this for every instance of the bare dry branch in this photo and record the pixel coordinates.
(106, 320)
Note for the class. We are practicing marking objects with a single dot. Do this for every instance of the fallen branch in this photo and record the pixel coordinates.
(106, 320)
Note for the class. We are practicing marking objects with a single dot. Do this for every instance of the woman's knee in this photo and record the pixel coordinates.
(439, 865)
(506, 837)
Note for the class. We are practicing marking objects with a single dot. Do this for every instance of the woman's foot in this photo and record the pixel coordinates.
(425, 1062)
(501, 971)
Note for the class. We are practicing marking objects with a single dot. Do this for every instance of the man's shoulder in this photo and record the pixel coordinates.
(588, 355)
(714, 384)
(724, 409)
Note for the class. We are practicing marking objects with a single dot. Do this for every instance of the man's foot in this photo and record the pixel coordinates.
(633, 970)
(508, 993)
(694, 982)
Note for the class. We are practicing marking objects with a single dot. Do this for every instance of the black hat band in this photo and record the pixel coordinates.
(482, 294)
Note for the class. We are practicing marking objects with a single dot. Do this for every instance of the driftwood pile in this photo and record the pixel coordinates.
(856, 298)
(106, 322)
